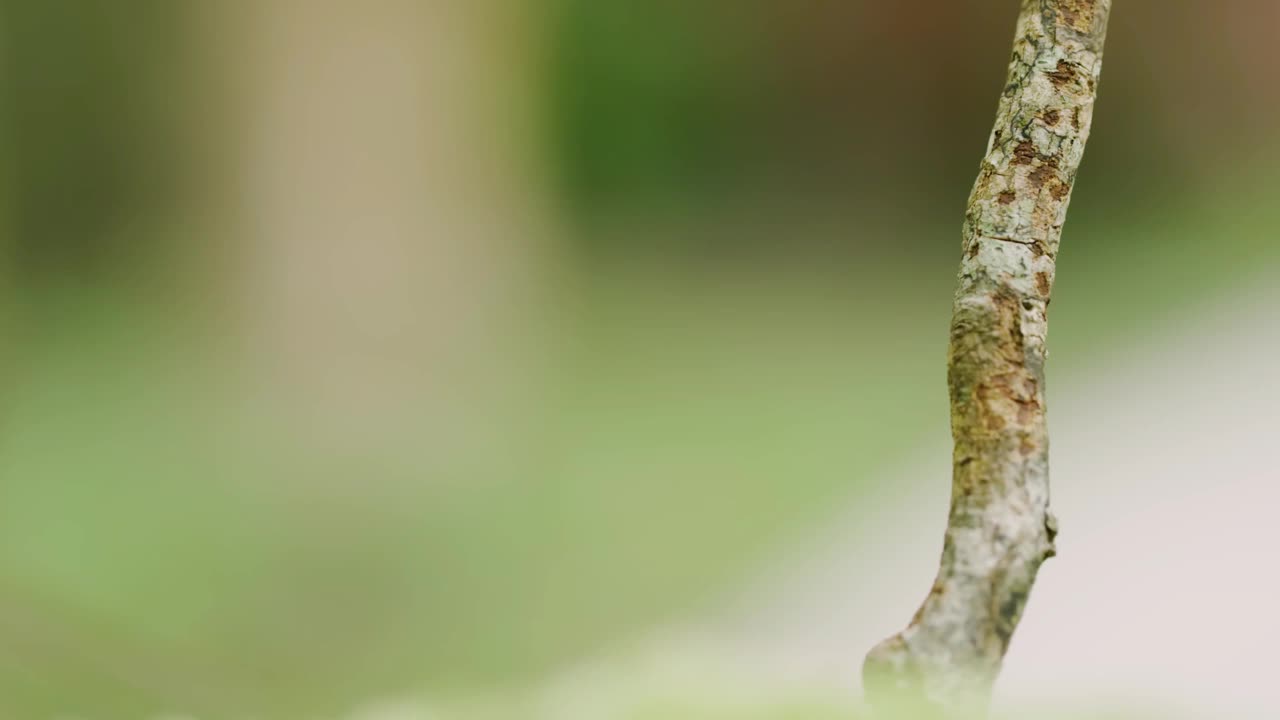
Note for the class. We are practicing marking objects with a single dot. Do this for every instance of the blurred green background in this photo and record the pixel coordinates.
(361, 349)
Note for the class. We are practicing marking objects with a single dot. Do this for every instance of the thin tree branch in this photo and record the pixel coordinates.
(1000, 528)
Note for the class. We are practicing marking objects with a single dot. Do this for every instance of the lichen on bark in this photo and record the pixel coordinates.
(1000, 528)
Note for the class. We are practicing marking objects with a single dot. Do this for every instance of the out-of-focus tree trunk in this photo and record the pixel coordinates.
(389, 215)
(1000, 530)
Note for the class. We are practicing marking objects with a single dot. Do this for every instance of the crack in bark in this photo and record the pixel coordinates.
(1001, 238)
(1000, 529)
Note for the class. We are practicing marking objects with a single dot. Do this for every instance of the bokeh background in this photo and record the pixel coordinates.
(436, 359)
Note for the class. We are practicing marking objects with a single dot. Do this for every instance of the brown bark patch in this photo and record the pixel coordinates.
(1010, 344)
(1062, 75)
(1051, 117)
(1042, 283)
(1007, 197)
(1078, 14)
(1044, 173)
(1024, 153)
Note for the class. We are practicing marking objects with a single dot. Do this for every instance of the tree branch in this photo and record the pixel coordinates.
(1000, 528)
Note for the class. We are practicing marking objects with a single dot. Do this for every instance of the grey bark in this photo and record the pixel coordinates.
(1000, 528)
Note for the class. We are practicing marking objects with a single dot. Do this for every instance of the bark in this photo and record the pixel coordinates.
(1000, 528)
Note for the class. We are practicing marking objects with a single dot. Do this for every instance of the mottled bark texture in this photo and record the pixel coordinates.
(1000, 529)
